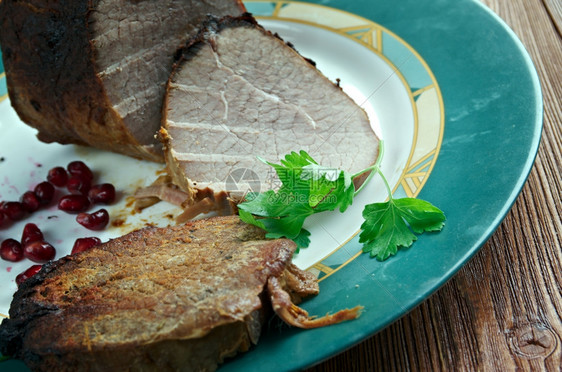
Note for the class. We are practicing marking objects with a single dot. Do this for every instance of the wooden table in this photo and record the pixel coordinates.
(503, 310)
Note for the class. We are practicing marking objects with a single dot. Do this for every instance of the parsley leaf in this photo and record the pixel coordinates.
(388, 226)
(306, 188)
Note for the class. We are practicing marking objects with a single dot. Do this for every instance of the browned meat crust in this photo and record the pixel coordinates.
(61, 77)
(139, 297)
(183, 297)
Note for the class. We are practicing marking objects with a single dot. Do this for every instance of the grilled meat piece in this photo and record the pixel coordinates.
(94, 72)
(178, 298)
(239, 91)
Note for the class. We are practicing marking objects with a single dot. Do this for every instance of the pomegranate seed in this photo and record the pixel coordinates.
(93, 221)
(83, 244)
(27, 274)
(57, 176)
(45, 192)
(103, 194)
(30, 201)
(78, 168)
(11, 250)
(31, 233)
(75, 203)
(14, 210)
(39, 251)
(78, 185)
(2, 217)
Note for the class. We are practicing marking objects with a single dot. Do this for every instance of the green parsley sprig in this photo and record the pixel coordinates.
(308, 188)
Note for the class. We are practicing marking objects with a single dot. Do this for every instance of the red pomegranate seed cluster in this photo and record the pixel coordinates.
(77, 179)
(31, 246)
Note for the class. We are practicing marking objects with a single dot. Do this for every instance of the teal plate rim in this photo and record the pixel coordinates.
(493, 126)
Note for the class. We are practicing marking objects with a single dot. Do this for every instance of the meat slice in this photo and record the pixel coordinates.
(94, 72)
(239, 91)
(178, 298)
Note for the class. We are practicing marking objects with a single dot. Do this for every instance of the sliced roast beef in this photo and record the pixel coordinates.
(166, 299)
(94, 72)
(239, 91)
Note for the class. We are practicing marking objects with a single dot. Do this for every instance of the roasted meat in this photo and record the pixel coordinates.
(94, 72)
(239, 91)
(178, 298)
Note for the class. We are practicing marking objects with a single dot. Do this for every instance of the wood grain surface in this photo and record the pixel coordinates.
(503, 310)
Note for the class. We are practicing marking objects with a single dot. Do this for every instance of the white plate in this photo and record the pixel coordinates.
(366, 72)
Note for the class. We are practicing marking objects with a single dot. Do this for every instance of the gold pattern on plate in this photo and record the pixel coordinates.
(427, 102)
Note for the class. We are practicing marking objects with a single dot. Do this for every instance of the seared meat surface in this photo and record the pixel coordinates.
(178, 298)
(94, 72)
